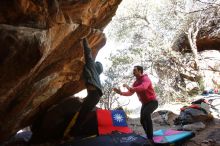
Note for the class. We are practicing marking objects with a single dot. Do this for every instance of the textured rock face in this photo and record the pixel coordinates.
(207, 38)
(41, 58)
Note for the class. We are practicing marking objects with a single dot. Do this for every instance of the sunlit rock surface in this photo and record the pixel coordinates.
(41, 58)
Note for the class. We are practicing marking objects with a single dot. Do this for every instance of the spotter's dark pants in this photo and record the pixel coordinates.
(146, 121)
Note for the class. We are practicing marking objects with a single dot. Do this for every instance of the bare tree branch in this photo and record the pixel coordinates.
(135, 17)
(190, 78)
(208, 3)
(213, 69)
(199, 10)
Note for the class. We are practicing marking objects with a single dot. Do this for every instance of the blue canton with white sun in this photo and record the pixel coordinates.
(119, 118)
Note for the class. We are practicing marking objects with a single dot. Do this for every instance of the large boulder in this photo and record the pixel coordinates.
(51, 125)
(207, 38)
(41, 56)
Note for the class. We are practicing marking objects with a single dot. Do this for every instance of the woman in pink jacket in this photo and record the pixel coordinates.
(146, 94)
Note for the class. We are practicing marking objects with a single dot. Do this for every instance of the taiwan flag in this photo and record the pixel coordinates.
(112, 120)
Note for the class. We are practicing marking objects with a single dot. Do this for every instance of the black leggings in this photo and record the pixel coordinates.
(146, 121)
(88, 104)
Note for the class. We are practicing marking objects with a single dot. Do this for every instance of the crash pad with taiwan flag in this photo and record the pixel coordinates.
(110, 121)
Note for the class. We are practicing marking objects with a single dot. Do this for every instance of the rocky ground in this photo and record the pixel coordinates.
(209, 136)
